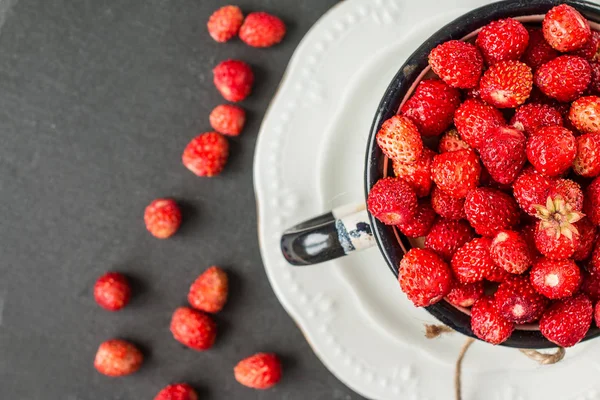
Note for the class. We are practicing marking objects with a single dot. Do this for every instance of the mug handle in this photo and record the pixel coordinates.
(328, 236)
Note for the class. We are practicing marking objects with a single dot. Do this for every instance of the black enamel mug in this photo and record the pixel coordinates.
(352, 228)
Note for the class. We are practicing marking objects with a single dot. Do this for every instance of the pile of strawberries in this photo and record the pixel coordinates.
(509, 204)
(205, 155)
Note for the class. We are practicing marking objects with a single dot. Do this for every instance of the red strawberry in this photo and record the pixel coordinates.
(206, 154)
(225, 23)
(473, 262)
(587, 161)
(458, 63)
(530, 189)
(504, 154)
(392, 201)
(567, 321)
(488, 324)
(518, 302)
(456, 172)
(569, 190)
(451, 141)
(228, 119)
(533, 116)
(565, 78)
(594, 265)
(424, 277)
(234, 80)
(589, 50)
(552, 150)
(555, 279)
(502, 40)
(112, 291)
(490, 210)
(209, 291)
(595, 84)
(117, 357)
(162, 218)
(565, 28)
(399, 139)
(497, 274)
(417, 175)
(432, 106)
(591, 203)
(193, 328)
(510, 251)
(260, 371)
(465, 295)
(528, 234)
(446, 237)
(447, 206)
(506, 84)
(538, 51)
(261, 29)
(591, 285)
(585, 114)
(177, 391)
(587, 239)
(473, 119)
(556, 237)
(422, 222)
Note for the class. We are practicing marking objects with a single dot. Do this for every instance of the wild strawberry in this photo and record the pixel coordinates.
(225, 23)
(488, 324)
(591, 202)
(451, 141)
(465, 295)
(162, 218)
(570, 192)
(595, 83)
(422, 222)
(458, 63)
(589, 50)
(472, 262)
(585, 114)
(233, 79)
(552, 150)
(228, 119)
(590, 284)
(502, 40)
(177, 391)
(506, 84)
(556, 237)
(445, 237)
(587, 239)
(533, 116)
(538, 51)
(491, 210)
(417, 175)
(424, 277)
(457, 172)
(473, 119)
(517, 301)
(567, 321)
(447, 206)
(565, 78)
(587, 160)
(261, 29)
(531, 189)
(392, 201)
(565, 29)
(117, 357)
(510, 251)
(112, 291)
(209, 291)
(497, 274)
(555, 279)
(504, 154)
(206, 154)
(399, 139)
(260, 371)
(193, 328)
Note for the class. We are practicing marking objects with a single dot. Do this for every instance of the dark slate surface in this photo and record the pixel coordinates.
(97, 100)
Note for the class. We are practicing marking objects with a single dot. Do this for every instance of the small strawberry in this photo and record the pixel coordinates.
(177, 391)
(502, 40)
(417, 175)
(193, 328)
(538, 51)
(570, 192)
(473, 262)
(565, 29)
(457, 172)
(504, 154)
(587, 239)
(399, 139)
(446, 237)
(555, 279)
(424, 277)
(117, 357)
(465, 295)
(260, 371)
(473, 119)
(209, 291)
(506, 84)
(567, 321)
(228, 119)
(531, 189)
(556, 236)
(585, 114)
(591, 285)
(591, 202)
(432, 106)
(451, 141)
(458, 63)
(112, 291)
(392, 201)
(589, 50)
(552, 150)
(162, 218)
(565, 78)
(518, 302)
(490, 210)
(225, 23)
(206, 154)
(595, 84)
(234, 80)
(533, 116)
(447, 206)
(261, 29)
(587, 160)
(422, 222)
(510, 251)
(488, 324)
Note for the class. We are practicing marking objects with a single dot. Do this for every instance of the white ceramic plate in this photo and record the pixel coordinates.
(309, 159)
